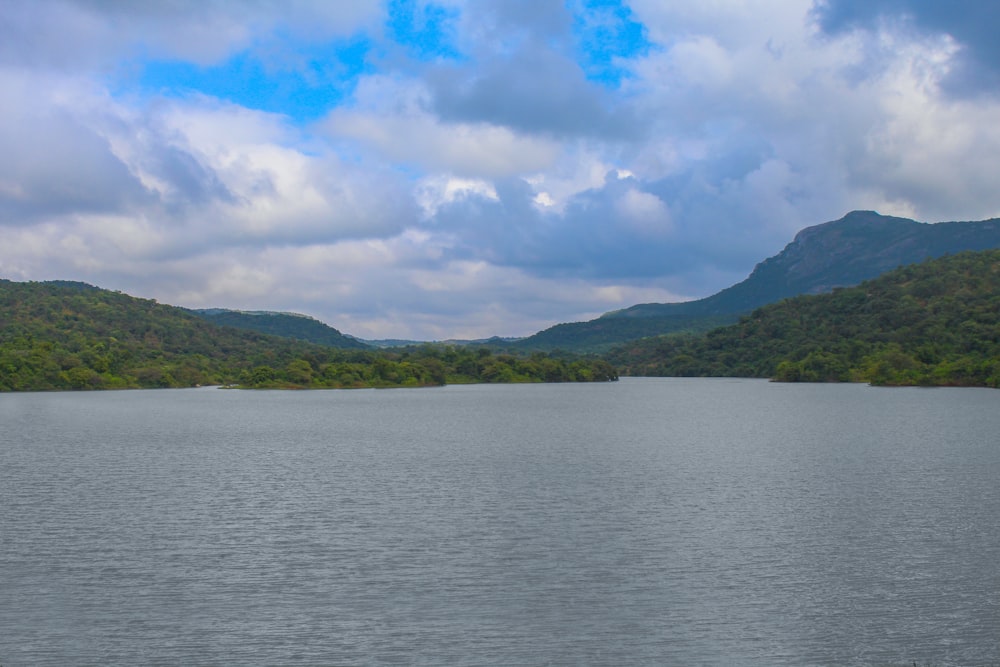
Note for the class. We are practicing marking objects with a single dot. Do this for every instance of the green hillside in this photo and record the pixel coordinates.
(287, 325)
(600, 335)
(934, 323)
(860, 246)
(63, 335)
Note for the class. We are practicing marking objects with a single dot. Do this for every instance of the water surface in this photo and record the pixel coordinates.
(649, 521)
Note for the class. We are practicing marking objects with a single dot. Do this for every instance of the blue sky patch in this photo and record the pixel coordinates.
(426, 31)
(304, 85)
(606, 32)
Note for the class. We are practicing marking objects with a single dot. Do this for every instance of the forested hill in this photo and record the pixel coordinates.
(859, 246)
(933, 323)
(288, 325)
(601, 335)
(62, 335)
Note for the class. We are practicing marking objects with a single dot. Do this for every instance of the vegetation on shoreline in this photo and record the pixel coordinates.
(423, 366)
(935, 323)
(60, 335)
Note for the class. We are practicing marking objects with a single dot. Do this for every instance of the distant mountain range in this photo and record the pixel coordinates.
(932, 323)
(860, 246)
(492, 342)
(67, 335)
(311, 330)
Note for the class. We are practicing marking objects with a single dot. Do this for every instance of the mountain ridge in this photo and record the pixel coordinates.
(932, 323)
(287, 325)
(840, 253)
(824, 256)
(60, 335)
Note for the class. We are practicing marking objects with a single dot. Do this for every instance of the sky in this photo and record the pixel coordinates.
(462, 169)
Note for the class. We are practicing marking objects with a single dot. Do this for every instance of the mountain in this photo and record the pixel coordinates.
(60, 335)
(933, 323)
(287, 325)
(64, 335)
(493, 342)
(859, 246)
(600, 335)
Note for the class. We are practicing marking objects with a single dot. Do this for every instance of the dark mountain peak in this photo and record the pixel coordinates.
(858, 246)
(840, 253)
(855, 223)
(863, 245)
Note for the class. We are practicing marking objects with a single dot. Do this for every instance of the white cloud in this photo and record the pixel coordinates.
(276, 191)
(433, 192)
(403, 131)
(821, 123)
(645, 214)
(932, 155)
(78, 35)
(579, 168)
(497, 193)
(733, 23)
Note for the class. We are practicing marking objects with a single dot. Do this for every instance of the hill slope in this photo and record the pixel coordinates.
(287, 325)
(859, 246)
(64, 335)
(72, 335)
(600, 335)
(937, 322)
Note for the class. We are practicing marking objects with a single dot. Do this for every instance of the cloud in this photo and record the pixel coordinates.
(82, 34)
(761, 130)
(521, 71)
(483, 168)
(403, 131)
(281, 192)
(970, 23)
(124, 187)
(533, 90)
(616, 233)
(55, 162)
(456, 298)
(645, 213)
(496, 25)
(839, 112)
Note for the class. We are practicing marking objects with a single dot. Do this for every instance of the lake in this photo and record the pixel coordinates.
(652, 521)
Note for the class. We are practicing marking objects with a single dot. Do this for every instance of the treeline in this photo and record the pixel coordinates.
(75, 336)
(423, 366)
(604, 333)
(934, 323)
(286, 325)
